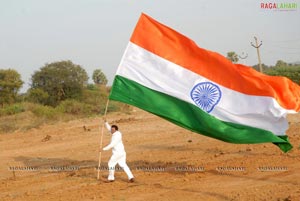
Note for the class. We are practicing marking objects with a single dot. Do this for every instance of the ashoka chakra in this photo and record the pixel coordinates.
(206, 95)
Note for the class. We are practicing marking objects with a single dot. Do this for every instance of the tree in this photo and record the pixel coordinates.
(60, 80)
(10, 83)
(264, 67)
(281, 63)
(291, 72)
(99, 77)
(233, 57)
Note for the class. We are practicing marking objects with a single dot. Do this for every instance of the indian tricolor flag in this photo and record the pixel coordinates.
(167, 74)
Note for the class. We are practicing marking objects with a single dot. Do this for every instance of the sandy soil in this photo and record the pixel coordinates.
(58, 162)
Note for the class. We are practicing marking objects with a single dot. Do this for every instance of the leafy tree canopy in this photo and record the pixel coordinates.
(233, 57)
(281, 68)
(99, 77)
(60, 80)
(10, 83)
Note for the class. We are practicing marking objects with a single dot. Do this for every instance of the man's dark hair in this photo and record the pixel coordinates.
(115, 126)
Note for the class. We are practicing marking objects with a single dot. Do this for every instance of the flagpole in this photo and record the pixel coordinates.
(100, 149)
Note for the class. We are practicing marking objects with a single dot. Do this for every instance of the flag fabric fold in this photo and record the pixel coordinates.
(167, 74)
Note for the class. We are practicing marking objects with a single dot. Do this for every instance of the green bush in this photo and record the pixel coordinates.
(91, 87)
(74, 107)
(12, 109)
(113, 106)
(37, 96)
(47, 112)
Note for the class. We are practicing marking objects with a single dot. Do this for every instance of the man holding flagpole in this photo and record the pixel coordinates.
(118, 153)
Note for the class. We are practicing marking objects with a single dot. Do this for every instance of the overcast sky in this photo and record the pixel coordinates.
(94, 33)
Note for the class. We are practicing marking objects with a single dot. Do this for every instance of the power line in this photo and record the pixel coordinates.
(289, 48)
(283, 41)
(282, 52)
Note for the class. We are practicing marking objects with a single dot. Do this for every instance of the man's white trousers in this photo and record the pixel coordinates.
(118, 158)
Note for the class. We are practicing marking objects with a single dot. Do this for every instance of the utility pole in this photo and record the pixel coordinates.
(258, 55)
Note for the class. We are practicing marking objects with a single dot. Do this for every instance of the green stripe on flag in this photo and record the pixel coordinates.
(189, 116)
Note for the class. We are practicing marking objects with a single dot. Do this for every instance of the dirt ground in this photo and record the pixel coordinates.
(58, 162)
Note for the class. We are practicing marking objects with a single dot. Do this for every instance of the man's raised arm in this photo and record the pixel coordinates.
(108, 127)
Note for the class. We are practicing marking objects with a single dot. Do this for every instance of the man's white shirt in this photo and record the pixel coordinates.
(116, 143)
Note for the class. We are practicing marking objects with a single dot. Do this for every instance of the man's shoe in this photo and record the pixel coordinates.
(131, 180)
(109, 181)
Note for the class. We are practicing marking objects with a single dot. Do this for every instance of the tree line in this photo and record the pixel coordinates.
(51, 84)
(281, 68)
(59, 91)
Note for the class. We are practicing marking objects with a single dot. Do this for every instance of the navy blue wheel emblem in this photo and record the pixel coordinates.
(206, 95)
